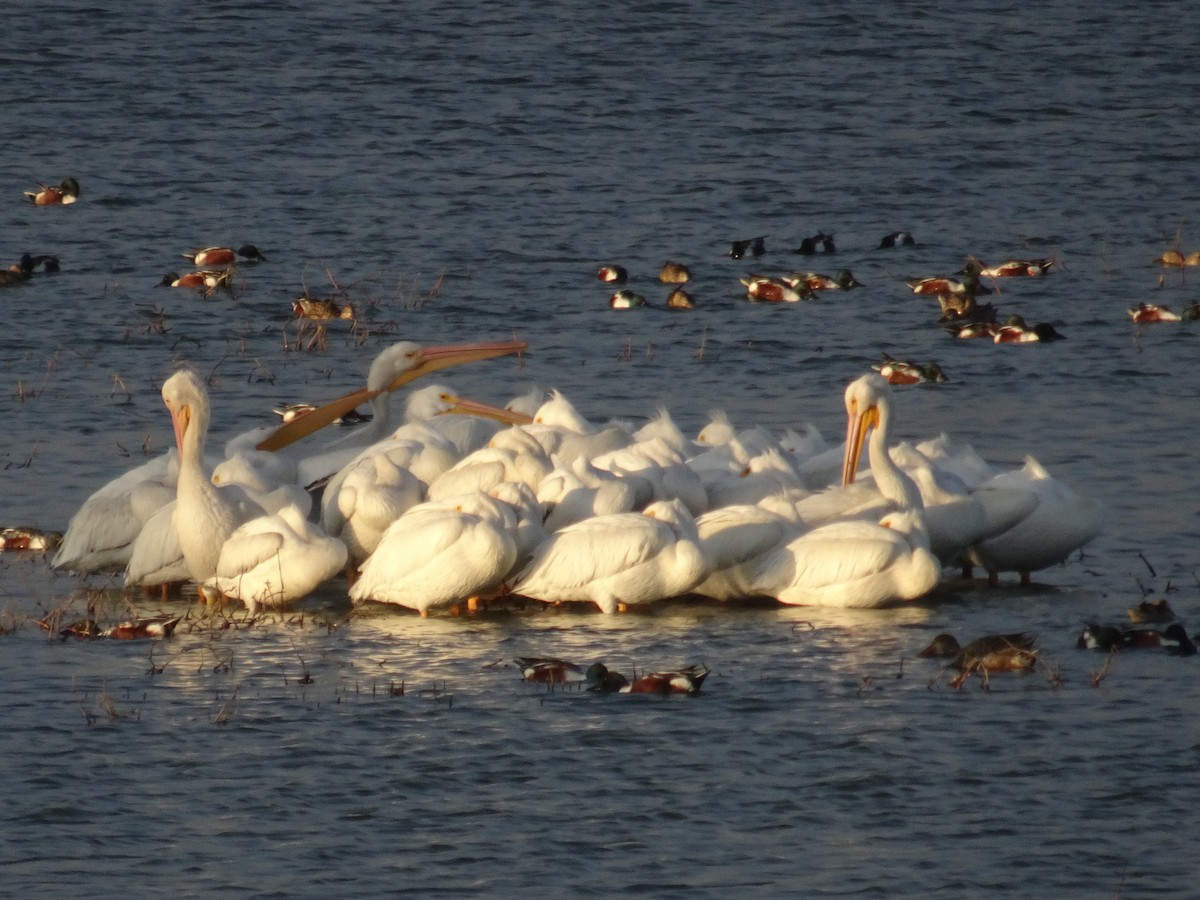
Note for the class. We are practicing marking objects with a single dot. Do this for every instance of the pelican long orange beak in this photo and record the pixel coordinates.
(464, 407)
(314, 420)
(428, 359)
(858, 423)
(434, 359)
(180, 420)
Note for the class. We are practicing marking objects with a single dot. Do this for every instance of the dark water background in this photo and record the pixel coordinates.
(509, 152)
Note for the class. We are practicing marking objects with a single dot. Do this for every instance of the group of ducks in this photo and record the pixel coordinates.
(672, 273)
(964, 317)
(534, 502)
(599, 678)
(214, 269)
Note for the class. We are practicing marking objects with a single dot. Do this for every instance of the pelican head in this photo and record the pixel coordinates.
(868, 405)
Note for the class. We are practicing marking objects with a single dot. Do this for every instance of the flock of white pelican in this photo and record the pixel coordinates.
(443, 511)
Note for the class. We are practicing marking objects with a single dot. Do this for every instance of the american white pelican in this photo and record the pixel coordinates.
(663, 464)
(578, 491)
(394, 367)
(733, 538)
(372, 494)
(156, 559)
(1061, 523)
(529, 531)
(205, 514)
(274, 560)
(512, 455)
(853, 564)
(441, 554)
(565, 433)
(858, 563)
(954, 516)
(619, 560)
(101, 534)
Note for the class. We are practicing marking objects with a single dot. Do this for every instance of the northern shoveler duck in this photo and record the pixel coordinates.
(814, 281)
(66, 193)
(1152, 312)
(755, 246)
(897, 371)
(597, 676)
(289, 412)
(973, 329)
(224, 256)
(680, 299)
(1015, 331)
(137, 629)
(547, 670)
(18, 539)
(674, 273)
(1100, 637)
(1109, 638)
(990, 653)
(310, 308)
(601, 680)
(30, 263)
(626, 299)
(681, 681)
(819, 242)
(1013, 268)
(897, 239)
(772, 290)
(941, 284)
(1192, 259)
(14, 274)
(1172, 638)
(1171, 258)
(205, 280)
(612, 274)
(1151, 611)
(958, 311)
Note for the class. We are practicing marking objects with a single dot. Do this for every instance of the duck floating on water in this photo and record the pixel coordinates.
(897, 239)
(818, 243)
(844, 280)
(321, 309)
(674, 273)
(767, 289)
(990, 653)
(63, 195)
(897, 371)
(1153, 312)
(224, 256)
(612, 274)
(1015, 331)
(1151, 611)
(755, 246)
(680, 681)
(626, 299)
(1013, 268)
(680, 299)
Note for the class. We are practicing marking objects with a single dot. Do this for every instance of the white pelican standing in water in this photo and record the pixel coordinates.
(437, 555)
(619, 560)
(205, 514)
(102, 532)
(1061, 523)
(857, 563)
(274, 560)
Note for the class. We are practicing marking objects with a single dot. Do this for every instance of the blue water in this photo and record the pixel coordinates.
(509, 153)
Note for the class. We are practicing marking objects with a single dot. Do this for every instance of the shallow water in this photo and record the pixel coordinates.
(509, 154)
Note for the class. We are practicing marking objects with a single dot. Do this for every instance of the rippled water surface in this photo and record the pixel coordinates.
(502, 155)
